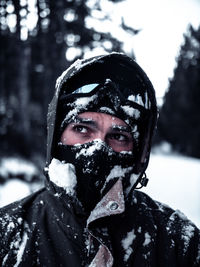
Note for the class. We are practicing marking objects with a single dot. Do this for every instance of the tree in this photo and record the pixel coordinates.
(39, 39)
(179, 122)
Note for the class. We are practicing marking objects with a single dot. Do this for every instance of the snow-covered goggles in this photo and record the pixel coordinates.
(122, 91)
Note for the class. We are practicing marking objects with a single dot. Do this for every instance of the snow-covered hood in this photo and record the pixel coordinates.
(95, 66)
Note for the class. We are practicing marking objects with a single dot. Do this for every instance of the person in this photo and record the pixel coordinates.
(100, 125)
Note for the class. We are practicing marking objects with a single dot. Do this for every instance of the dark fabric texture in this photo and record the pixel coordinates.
(56, 234)
(92, 170)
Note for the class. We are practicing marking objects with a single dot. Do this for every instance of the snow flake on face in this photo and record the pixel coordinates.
(131, 112)
(63, 175)
(126, 243)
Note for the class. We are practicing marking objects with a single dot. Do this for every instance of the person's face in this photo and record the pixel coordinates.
(93, 125)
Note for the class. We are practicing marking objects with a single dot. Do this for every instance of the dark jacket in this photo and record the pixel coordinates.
(49, 228)
(43, 230)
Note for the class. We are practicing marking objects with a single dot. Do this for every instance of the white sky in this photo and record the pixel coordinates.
(163, 23)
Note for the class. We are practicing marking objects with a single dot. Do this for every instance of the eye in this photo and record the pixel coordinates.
(80, 129)
(119, 137)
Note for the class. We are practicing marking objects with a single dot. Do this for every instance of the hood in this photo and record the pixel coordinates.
(104, 67)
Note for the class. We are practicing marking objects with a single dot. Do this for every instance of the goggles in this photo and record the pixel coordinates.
(125, 93)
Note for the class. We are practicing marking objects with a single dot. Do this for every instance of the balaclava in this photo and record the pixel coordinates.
(116, 90)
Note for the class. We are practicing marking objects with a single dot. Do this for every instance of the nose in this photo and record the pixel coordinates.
(101, 135)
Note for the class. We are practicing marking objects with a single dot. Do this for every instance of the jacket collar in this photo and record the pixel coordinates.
(111, 204)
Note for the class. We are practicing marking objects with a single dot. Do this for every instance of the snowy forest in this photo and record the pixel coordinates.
(38, 40)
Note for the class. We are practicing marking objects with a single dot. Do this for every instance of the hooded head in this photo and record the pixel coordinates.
(113, 84)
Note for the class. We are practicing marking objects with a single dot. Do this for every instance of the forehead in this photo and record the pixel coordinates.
(98, 116)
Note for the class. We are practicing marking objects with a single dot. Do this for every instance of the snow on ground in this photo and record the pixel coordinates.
(175, 181)
(18, 179)
(13, 190)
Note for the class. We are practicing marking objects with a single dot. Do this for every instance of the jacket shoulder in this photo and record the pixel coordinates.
(13, 224)
(169, 224)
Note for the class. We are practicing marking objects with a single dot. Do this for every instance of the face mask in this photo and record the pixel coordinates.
(97, 168)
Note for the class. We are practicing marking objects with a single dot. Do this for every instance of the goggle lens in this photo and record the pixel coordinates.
(86, 88)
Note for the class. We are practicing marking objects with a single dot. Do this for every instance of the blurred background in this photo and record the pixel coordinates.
(40, 38)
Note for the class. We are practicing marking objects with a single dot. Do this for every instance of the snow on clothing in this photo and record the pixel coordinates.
(126, 227)
(44, 230)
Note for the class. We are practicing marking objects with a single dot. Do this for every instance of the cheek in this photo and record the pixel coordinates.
(122, 147)
(68, 138)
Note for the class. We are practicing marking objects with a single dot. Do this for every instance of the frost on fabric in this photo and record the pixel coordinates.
(161, 207)
(198, 254)
(75, 67)
(187, 234)
(187, 228)
(147, 239)
(21, 249)
(116, 172)
(138, 99)
(18, 243)
(133, 180)
(127, 243)
(106, 110)
(98, 144)
(79, 105)
(63, 175)
(132, 112)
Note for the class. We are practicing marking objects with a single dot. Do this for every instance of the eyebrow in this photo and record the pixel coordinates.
(85, 121)
(88, 121)
(122, 128)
